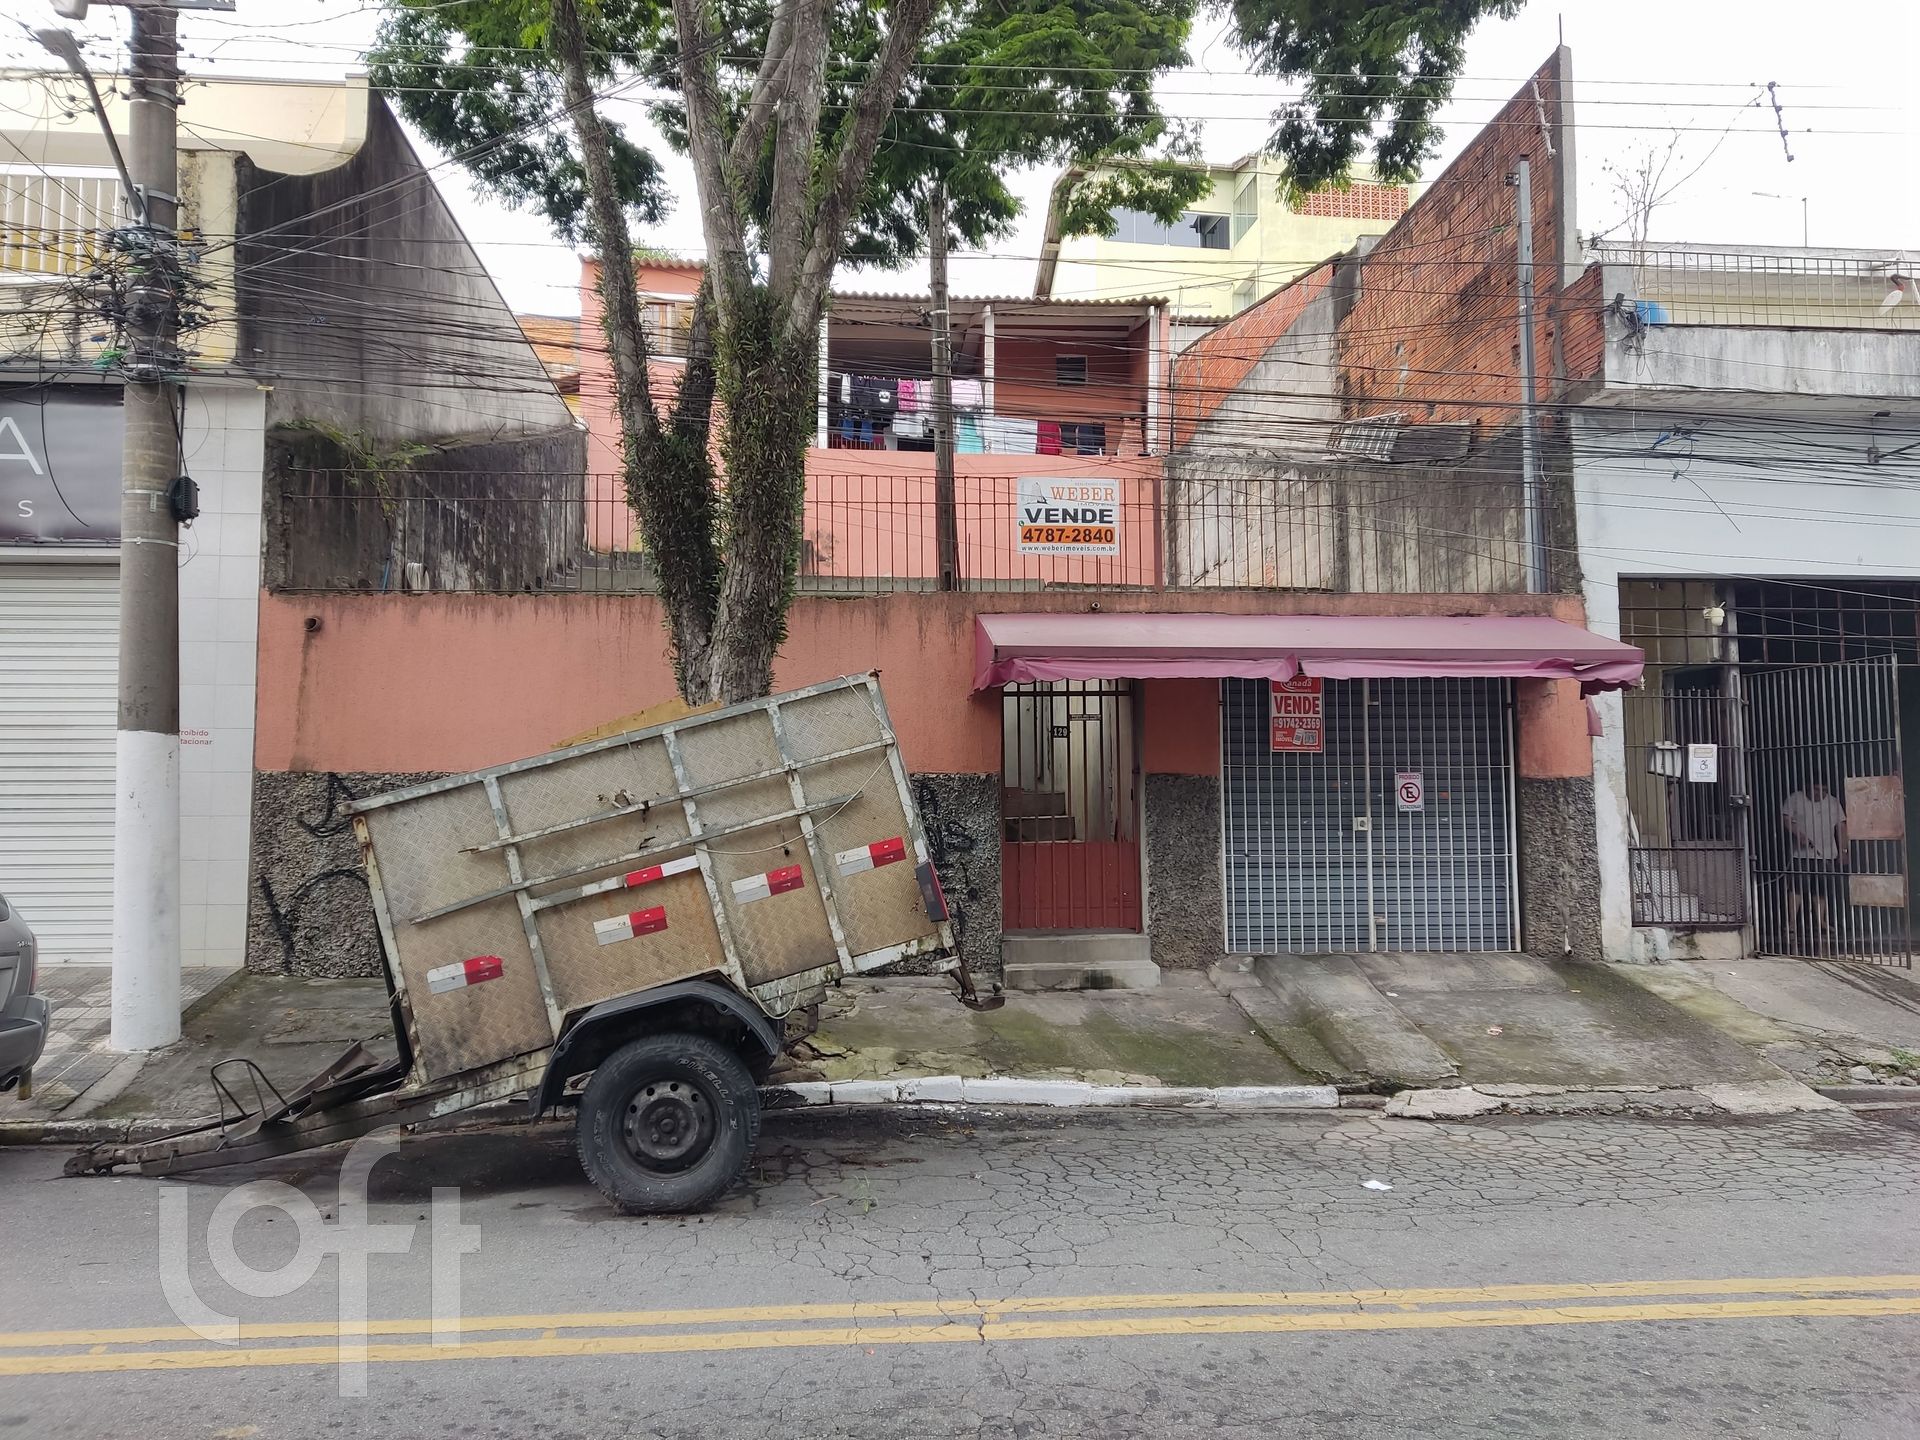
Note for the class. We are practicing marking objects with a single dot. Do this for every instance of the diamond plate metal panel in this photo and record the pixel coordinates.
(590, 785)
(780, 934)
(585, 972)
(418, 848)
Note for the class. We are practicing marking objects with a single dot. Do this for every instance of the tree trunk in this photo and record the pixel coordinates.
(768, 387)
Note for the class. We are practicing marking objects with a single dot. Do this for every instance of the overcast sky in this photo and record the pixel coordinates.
(1643, 69)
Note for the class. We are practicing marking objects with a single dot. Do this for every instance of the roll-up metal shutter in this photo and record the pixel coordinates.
(59, 648)
(1320, 855)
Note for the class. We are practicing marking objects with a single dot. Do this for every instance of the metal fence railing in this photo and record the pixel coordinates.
(1758, 286)
(1117, 527)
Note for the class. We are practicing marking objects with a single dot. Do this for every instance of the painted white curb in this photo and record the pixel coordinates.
(1072, 1094)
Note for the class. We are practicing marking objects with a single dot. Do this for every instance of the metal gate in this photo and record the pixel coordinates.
(1829, 831)
(1686, 793)
(1396, 834)
(1069, 806)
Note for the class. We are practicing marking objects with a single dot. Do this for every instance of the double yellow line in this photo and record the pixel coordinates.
(929, 1322)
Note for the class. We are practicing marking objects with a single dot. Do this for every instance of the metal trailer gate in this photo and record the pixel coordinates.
(1323, 852)
(1835, 726)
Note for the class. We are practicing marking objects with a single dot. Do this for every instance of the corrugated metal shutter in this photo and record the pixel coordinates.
(59, 647)
(1299, 873)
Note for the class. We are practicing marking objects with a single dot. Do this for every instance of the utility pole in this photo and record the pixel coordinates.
(1536, 533)
(146, 813)
(946, 522)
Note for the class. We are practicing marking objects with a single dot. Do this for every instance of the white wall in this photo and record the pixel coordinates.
(219, 624)
(1734, 497)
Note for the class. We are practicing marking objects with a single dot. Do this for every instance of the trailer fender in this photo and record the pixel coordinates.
(698, 1005)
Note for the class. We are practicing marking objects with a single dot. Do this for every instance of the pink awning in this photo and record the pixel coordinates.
(1014, 648)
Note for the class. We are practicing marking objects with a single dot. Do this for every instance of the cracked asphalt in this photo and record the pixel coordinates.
(1154, 1222)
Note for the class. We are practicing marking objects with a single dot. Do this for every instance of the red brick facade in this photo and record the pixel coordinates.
(1433, 329)
(1210, 369)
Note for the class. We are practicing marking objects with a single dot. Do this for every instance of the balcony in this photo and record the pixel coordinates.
(1813, 326)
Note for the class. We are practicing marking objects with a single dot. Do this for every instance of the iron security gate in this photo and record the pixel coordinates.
(1829, 833)
(1384, 823)
(1069, 802)
(1686, 793)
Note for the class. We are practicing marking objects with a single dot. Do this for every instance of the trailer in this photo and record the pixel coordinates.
(632, 927)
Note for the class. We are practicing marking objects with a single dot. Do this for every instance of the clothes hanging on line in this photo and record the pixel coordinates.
(967, 437)
(968, 395)
(911, 424)
(1048, 440)
(909, 394)
(1009, 434)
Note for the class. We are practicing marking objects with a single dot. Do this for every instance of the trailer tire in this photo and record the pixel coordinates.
(667, 1123)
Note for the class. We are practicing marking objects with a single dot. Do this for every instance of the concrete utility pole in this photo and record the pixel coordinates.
(1536, 531)
(946, 522)
(146, 812)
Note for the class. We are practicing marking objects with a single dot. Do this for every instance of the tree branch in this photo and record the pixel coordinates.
(752, 133)
(860, 139)
(620, 297)
(721, 210)
(796, 142)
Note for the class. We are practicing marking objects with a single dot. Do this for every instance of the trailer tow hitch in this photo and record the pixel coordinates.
(969, 995)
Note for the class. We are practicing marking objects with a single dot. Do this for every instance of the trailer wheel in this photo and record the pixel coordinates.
(667, 1123)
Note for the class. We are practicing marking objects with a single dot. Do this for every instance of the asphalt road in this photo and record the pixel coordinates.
(972, 1275)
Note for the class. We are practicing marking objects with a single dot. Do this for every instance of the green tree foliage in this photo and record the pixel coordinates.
(817, 130)
(1370, 71)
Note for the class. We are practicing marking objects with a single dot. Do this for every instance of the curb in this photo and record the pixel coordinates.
(92, 1132)
(1765, 1097)
(1052, 1094)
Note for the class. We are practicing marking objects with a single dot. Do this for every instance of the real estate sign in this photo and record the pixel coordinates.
(1059, 515)
(1298, 715)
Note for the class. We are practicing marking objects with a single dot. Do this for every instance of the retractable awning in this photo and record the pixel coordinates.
(1017, 648)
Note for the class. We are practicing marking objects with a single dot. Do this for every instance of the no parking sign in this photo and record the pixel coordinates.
(1410, 790)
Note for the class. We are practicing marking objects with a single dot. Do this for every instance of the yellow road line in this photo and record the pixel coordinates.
(958, 1309)
(1112, 1327)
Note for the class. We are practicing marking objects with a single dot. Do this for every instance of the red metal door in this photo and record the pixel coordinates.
(1069, 806)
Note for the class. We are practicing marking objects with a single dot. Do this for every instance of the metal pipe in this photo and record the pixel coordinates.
(1529, 437)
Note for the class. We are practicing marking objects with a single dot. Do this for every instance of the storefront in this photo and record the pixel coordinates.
(1367, 772)
(59, 664)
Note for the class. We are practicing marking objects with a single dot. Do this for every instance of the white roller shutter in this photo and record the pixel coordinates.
(59, 643)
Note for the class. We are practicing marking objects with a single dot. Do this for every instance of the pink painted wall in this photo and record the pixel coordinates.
(446, 682)
(1553, 742)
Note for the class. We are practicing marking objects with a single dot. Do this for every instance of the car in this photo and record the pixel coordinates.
(23, 1014)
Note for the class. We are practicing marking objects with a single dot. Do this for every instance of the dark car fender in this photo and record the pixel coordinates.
(692, 1004)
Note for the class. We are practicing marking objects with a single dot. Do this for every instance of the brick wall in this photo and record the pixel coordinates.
(1209, 370)
(1433, 332)
(1583, 329)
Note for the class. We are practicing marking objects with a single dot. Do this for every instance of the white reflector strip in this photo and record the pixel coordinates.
(624, 927)
(870, 857)
(774, 882)
(464, 973)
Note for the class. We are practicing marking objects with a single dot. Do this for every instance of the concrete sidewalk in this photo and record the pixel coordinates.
(1829, 1023)
(1476, 1032)
(1182, 1044)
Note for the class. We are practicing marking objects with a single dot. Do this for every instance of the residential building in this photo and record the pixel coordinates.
(556, 340)
(1746, 454)
(344, 314)
(1190, 693)
(1239, 242)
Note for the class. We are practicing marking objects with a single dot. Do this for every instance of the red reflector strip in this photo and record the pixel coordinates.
(774, 882)
(871, 857)
(625, 927)
(652, 873)
(463, 973)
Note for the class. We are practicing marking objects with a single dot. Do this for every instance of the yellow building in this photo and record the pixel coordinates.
(1238, 243)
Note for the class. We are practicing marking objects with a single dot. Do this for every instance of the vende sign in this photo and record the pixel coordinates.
(1060, 516)
(1299, 715)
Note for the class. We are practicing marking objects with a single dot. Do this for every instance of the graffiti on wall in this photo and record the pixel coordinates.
(314, 896)
(951, 846)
